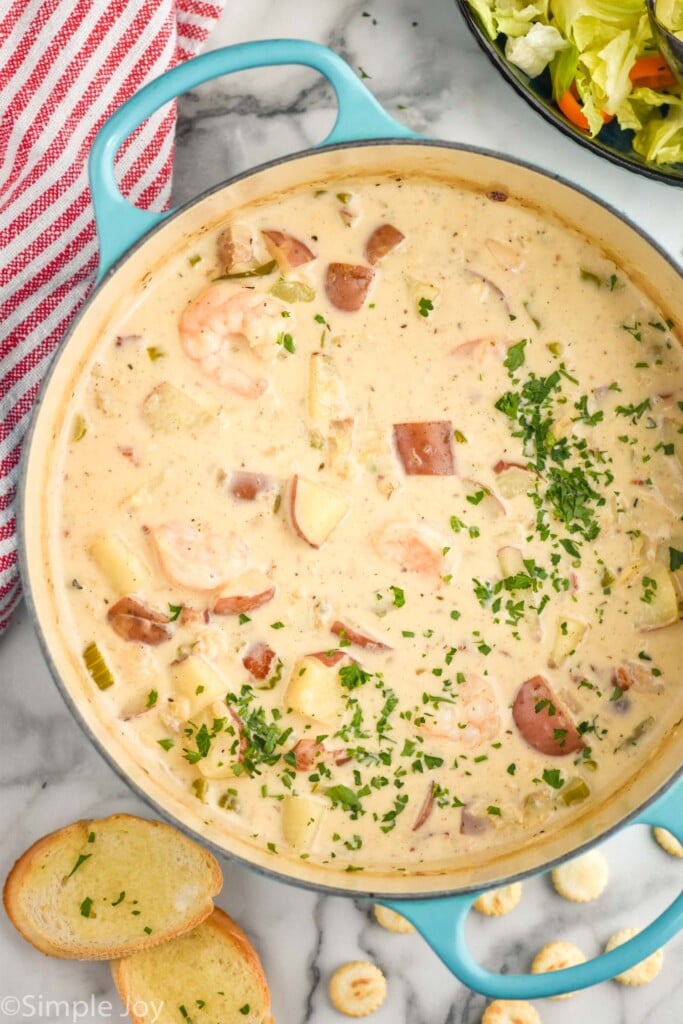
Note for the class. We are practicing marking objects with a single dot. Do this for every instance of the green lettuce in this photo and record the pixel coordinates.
(597, 47)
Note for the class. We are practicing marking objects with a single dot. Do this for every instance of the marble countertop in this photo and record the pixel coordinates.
(426, 70)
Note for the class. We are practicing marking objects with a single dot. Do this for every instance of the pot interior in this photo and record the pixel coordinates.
(638, 257)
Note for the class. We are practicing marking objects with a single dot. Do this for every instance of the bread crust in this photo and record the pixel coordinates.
(20, 878)
(222, 923)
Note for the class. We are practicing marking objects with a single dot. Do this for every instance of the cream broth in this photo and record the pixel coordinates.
(371, 540)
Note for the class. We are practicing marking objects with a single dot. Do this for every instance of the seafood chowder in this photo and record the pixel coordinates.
(369, 524)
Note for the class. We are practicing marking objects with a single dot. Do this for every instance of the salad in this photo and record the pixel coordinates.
(603, 64)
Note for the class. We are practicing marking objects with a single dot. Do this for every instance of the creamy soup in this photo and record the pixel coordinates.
(370, 508)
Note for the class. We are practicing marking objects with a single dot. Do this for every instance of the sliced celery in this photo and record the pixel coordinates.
(80, 428)
(292, 291)
(97, 667)
(574, 792)
(262, 271)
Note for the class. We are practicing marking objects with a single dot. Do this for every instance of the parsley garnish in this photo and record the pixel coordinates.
(86, 907)
(352, 676)
(515, 356)
(675, 559)
(634, 411)
(81, 859)
(553, 777)
(344, 797)
(287, 342)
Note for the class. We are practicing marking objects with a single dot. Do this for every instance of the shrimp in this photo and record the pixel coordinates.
(414, 546)
(472, 719)
(198, 560)
(218, 321)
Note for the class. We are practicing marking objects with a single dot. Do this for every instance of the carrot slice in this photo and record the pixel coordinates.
(571, 108)
(652, 73)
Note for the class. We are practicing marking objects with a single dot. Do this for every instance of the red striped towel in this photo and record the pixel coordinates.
(65, 65)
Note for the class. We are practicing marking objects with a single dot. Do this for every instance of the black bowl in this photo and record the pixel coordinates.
(613, 142)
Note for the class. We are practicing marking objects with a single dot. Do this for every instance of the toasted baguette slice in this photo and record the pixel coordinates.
(210, 975)
(105, 888)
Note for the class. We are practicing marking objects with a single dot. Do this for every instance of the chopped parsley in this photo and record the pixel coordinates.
(553, 778)
(675, 559)
(81, 860)
(515, 356)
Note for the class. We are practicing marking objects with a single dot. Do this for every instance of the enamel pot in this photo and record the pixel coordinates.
(132, 244)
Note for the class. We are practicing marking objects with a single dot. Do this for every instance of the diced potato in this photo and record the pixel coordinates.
(222, 755)
(301, 817)
(424, 294)
(326, 393)
(568, 636)
(662, 607)
(670, 435)
(340, 447)
(196, 683)
(506, 256)
(488, 505)
(631, 571)
(663, 556)
(235, 246)
(511, 561)
(124, 570)
(169, 410)
(514, 480)
(313, 691)
(314, 510)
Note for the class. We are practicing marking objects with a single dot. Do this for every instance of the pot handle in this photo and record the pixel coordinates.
(441, 921)
(119, 224)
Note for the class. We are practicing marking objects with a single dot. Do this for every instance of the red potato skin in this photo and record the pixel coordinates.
(347, 285)
(425, 449)
(237, 604)
(132, 620)
(290, 252)
(538, 727)
(233, 249)
(425, 810)
(247, 486)
(360, 639)
(381, 242)
(501, 466)
(259, 659)
(307, 752)
(331, 658)
(473, 824)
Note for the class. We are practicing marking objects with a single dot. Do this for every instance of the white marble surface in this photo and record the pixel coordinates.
(432, 77)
